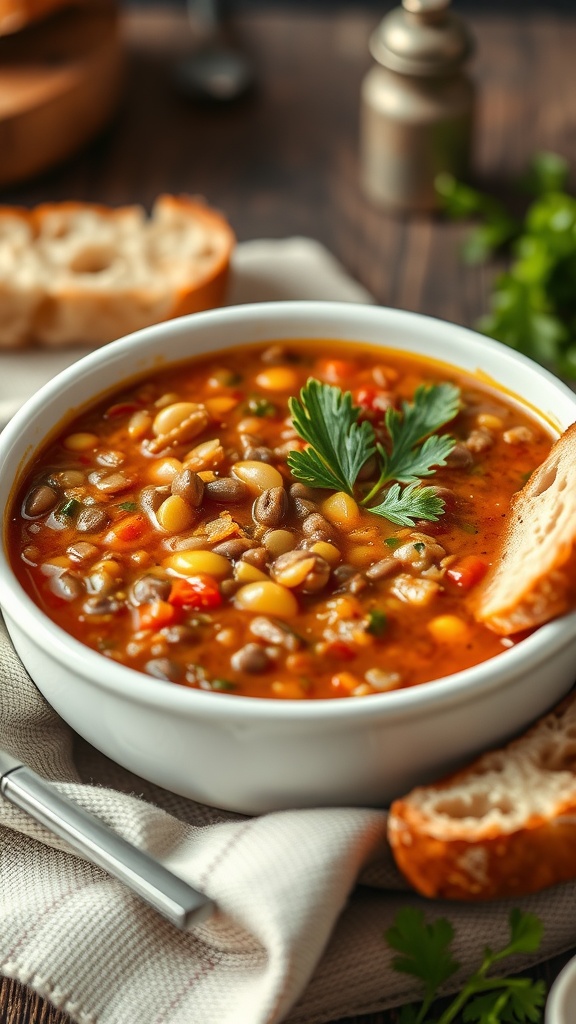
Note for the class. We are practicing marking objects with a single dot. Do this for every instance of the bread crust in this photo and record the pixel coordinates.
(83, 273)
(533, 577)
(519, 835)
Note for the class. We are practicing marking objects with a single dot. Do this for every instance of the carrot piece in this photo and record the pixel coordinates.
(335, 371)
(158, 614)
(131, 527)
(467, 571)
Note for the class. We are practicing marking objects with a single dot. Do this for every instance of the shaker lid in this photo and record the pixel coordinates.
(422, 37)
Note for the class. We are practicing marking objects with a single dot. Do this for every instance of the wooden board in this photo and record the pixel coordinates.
(59, 82)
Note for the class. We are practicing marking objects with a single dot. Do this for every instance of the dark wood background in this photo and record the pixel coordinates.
(284, 161)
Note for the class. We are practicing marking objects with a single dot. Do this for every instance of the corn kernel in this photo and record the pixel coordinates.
(447, 629)
(250, 425)
(345, 682)
(278, 378)
(220, 405)
(342, 510)
(207, 475)
(175, 515)
(267, 598)
(329, 552)
(80, 442)
(278, 542)
(190, 563)
(490, 422)
(246, 573)
(163, 471)
(361, 555)
(287, 690)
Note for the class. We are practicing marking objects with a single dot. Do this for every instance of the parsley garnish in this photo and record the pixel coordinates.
(70, 508)
(261, 407)
(340, 444)
(424, 952)
(376, 622)
(128, 506)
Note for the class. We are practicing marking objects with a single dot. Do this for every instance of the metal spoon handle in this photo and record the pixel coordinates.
(168, 894)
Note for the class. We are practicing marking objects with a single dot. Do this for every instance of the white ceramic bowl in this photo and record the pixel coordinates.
(256, 755)
(561, 1002)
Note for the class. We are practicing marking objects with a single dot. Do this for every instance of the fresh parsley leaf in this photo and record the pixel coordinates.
(527, 1000)
(423, 950)
(340, 444)
(70, 508)
(425, 953)
(377, 622)
(525, 934)
(404, 505)
(261, 407)
(326, 418)
(533, 304)
(411, 457)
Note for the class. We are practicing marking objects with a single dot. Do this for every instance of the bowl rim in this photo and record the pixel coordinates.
(564, 985)
(450, 690)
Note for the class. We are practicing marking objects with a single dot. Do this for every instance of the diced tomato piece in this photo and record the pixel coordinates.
(198, 592)
(467, 571)
(335, 371)
(372, 399)
(158, 614)
(340, 650)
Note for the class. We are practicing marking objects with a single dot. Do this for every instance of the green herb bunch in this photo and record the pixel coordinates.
(424, 951)
(533, 303)
(341, 444)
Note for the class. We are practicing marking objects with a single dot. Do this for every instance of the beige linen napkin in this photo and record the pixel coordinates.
(294, 939)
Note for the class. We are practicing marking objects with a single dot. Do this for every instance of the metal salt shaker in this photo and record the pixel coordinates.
(417, 105)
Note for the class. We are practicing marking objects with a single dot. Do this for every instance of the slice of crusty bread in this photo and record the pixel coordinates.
(505, 826)
(533, 578)
(78, 273)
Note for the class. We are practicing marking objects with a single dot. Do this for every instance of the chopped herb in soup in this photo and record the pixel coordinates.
(299, 520)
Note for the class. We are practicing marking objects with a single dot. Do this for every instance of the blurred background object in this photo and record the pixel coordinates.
(417, 105)
(60, 79)
(215, 69)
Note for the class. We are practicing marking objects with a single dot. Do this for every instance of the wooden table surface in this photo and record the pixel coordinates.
(284, 161)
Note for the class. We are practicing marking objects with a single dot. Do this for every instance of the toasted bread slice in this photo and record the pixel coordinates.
(534, 577)
(504, 827)
(78, 273)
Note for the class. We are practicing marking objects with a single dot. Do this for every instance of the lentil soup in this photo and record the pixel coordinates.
(173, 528)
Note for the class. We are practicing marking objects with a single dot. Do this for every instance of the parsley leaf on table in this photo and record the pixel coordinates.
(532, 304)
(340, 444)
(424, 952)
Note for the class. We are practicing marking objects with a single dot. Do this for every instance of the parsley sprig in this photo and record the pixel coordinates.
(424, 952)
(533, 302)
(340, 445)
